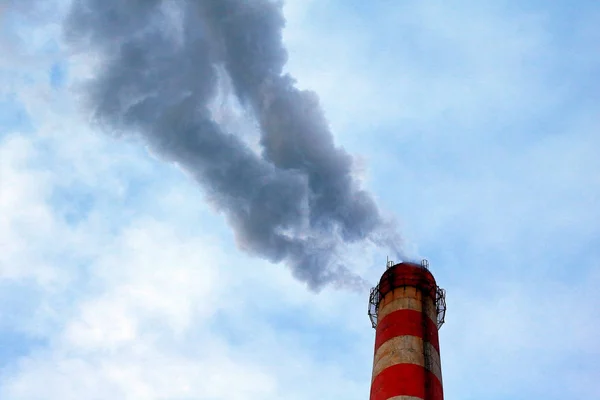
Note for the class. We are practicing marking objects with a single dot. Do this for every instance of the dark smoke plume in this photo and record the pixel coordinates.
(298, 201)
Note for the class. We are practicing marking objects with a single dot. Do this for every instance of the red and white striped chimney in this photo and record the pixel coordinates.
(407, 308)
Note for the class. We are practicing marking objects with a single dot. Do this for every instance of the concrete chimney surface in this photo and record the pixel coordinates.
(406, 363)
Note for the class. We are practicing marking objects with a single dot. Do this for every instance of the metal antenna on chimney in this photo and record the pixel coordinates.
(388, 263)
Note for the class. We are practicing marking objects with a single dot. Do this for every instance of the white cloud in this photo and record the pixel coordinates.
(24, 220)
(420, 64)
(137, 285)
(135, 319)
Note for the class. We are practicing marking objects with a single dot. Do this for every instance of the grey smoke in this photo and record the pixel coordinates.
(297, 202)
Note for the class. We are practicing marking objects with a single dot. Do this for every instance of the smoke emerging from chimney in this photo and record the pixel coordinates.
(297, 202)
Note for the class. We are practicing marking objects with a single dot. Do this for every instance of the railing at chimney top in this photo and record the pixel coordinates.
(440, 298)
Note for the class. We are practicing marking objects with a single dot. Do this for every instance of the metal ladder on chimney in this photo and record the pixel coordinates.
(428, 359)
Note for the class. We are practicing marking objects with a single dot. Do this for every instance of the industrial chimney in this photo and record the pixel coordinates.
(406, 309)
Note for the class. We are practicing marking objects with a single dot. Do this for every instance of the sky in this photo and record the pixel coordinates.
(474, 123)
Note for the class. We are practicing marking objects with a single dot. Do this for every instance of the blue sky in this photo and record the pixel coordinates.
(475, 123)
